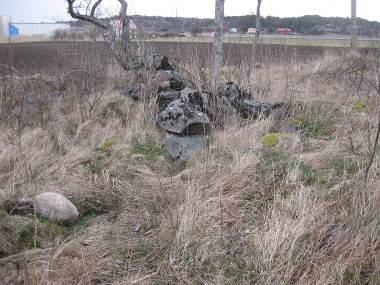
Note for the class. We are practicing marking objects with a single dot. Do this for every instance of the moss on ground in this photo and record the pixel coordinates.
(107, 145)
(360, 106)
(273, 139)
(36, 232)
(150, 150)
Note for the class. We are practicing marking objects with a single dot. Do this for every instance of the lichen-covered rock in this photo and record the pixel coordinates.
(181, 147)
(174, 83)
(230, 90)
(166, 97)
(55, 207)
(228, 99)
(184, 119)
(250, 108)
(166, 80)
(196, 98)
(160, 63)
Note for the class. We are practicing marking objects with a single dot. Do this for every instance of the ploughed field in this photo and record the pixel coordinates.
(54, 57)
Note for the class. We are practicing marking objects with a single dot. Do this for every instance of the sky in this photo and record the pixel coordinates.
(52, 10)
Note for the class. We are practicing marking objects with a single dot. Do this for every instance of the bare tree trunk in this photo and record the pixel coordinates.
(257, 34)
(354, 29)
(119, 43)
(218, 43)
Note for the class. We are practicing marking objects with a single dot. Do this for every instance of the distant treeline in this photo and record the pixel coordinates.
(314, 25)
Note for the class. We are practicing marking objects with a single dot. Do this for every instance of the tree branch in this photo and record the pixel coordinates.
(92, 19)
(119, 43)
(93, 10)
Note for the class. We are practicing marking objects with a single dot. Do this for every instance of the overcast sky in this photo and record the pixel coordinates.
(50, 10)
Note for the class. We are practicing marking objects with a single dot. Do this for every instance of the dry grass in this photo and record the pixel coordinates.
(298, 212)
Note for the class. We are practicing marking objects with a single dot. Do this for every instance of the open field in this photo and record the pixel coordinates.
(52, 57)
(334, 41)
(285, 198)
(309, 41)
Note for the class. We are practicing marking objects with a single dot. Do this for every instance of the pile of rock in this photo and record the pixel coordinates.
(184, 112)
(231, 101)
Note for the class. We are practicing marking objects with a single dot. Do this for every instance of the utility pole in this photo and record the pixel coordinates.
(354, 28)
(257, 34)
(218, 43)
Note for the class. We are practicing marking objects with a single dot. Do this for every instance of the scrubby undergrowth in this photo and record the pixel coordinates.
(263, 204)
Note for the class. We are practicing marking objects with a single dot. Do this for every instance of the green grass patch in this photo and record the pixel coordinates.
(150, 150)
(317, 119)
(33, 234)
(341, 169)
(102, 158)
(85, 219)
(275, 165)
(96, 165)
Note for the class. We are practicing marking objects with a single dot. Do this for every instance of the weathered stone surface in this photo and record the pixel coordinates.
(196, 98)
(131, 91)
(55, 207)
(228, 98)
(160, 63)
(181, 147)
(250, 108)
(230, 90)
(166, 97)
(166, 80)
(183, 118)
(17, 206)
(173, 83)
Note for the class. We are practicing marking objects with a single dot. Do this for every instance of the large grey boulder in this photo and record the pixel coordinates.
(55, 207)
(181, 147)
(196, 98)
(184, 119)
(166, 97)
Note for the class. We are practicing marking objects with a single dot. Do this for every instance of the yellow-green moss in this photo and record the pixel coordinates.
(360, 106)
(273, 139)
(107, 145)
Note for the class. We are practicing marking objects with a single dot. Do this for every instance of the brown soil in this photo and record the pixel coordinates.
(51, 57)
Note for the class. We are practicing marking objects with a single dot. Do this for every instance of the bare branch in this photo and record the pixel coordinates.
(92, 19)
(96, 5)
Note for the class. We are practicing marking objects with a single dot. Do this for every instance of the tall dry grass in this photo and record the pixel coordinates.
(241, 212)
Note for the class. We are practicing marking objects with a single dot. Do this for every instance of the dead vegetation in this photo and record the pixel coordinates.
(268, 202)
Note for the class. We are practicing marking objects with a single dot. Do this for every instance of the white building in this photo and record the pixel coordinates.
(4, 26)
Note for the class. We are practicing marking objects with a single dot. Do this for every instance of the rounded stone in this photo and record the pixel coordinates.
(55, 207)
